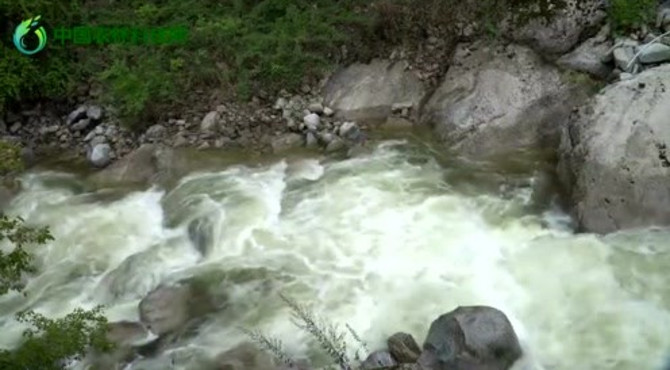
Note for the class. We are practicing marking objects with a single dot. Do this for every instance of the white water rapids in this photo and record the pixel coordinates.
(383, 242)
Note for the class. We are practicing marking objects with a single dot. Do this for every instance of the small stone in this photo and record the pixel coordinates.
(156, 131)
(203, 146)
(335, 145)
(316, 108)
(63, 138)
(349, 130)
(311, 140)
(291, 124)
(312, 121)
(76, 115)
(81, 125)
(221, 108)
(100, 130)
(328, 112)
(623, 56)
(89, 136)
(654, 53)
(98, 140)
(180, 141)
(306, 112)
(49, 129)
(100, 155)
(280, 104)
(326, 137)
(209, 121)
(15, 128)
(94, 112)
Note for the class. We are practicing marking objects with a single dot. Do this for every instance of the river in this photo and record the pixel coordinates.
(385, 241)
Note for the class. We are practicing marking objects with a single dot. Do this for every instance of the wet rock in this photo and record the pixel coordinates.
(76, 115)
(94, 112)
(286, 141)
(378, 360)
(335, 145)
(366, 92)
(123, 335)
(472, 337)
(209, 122)
(404, 348)
(589, 56)
(142, 166)
(614, 159)
(310, 140)
(654, 53)
(326, 137)
(490, 104)
(168, 309)
(81, 125)
(349, 131)
(101, 155)
(245, 356)
(201, 234)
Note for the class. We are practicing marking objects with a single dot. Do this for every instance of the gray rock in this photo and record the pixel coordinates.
(563, 31)
(3, 126)
(98, 140)
(94, 112)
(490, 104)
(100, 155)
(404, 348)
(472, 337)
(378, 360)
(626, 76)
(326, 137)
(623, 55)
(335, 145)
(311, 140)
(350, 131)
(49, 129)
(316, 108)
(156, 132)
(280, 104)
(180, 141)
(89, 136)
(663, 16)
(210, 121)
(16, 127)
(312, 121)
(286, 141)
(654, 53)
(328, 112)
(81, 124)
(99, 130)
(589, 56)
(366, 92)
(398, 123)
(613, 156)
(245, 356)
(149, 163)
(76, 115)
(167, 309)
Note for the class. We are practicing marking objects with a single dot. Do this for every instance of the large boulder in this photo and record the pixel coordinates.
(614, 155)
(469, 338)
(498, 99)
(403, 348)
(139, 167)
(366, 93)
(577, 21)
(589, 57)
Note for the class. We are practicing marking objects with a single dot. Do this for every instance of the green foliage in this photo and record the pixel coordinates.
(626, 15)
(10, 158)
(51, 342)
(17, 262)
(48, 343)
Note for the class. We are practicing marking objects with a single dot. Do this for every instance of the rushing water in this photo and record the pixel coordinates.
(384, 241)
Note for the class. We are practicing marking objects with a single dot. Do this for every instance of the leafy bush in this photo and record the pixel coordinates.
(626, 15)
(10, 157)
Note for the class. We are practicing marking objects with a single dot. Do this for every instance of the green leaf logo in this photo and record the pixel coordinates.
(30, 37)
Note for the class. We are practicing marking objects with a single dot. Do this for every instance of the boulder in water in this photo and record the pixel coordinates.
(471, 337)
(614, 156)
(245, 356)
(101, 155)
(170, 308)
(404, 348)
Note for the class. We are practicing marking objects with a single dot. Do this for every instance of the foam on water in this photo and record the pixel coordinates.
(380, 242)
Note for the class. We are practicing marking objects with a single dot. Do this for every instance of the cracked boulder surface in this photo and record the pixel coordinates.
(498, 99)
(613, 155)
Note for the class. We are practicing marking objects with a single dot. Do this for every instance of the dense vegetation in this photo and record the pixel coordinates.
(47, 343)
(248, 47)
